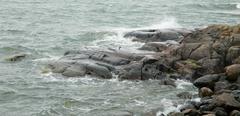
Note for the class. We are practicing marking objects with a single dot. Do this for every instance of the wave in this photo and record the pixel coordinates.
(114, 37)
(215, 6)
(168, 106)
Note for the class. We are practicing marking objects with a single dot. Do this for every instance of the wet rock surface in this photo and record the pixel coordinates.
(208, 57)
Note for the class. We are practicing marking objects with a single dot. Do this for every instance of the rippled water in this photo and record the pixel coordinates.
(45, 29)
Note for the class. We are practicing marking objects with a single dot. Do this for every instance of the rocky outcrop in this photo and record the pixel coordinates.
(208, 57)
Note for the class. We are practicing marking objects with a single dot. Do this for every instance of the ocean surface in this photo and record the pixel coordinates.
(45, 29)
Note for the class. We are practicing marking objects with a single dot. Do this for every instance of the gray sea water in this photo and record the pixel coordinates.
(45, 29)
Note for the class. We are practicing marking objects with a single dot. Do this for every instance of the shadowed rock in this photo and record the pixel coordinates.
(207, 81)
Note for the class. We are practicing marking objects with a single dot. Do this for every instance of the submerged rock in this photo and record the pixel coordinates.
(185, 95)
(16, 57)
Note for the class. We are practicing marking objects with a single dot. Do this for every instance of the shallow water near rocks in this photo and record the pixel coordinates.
(45, 29)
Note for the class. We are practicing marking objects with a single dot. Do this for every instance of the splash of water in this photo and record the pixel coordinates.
(238, 5)
(166, 23)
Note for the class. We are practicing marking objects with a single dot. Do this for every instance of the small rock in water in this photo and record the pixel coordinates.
(185, 95)
(16, 57)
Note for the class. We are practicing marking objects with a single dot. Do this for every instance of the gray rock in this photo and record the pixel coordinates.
(59, 66)
(206, 81)
(226, 100)
(157, 35)
(94, 69)
(212, 66)
(154, 46)
(220, 85)
(75, 70)
(131, 72)
(219, 111)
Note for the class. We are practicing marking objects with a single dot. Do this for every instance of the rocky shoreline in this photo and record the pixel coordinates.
(208, 57)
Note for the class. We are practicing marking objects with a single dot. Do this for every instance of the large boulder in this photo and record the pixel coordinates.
(131, 72)
(227, 101)
(233, 72)
(185, 50)
(211, 66)
(203, 51)
(148, 68)
(75, 70)
(189, 69)
(98, 63)
(207, 81)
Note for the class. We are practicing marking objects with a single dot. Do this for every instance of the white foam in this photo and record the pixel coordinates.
(139, 103)
(46, 59)
(168, 107)
(166, 23)
(182, 84)
(238, 5)
(117, 40)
